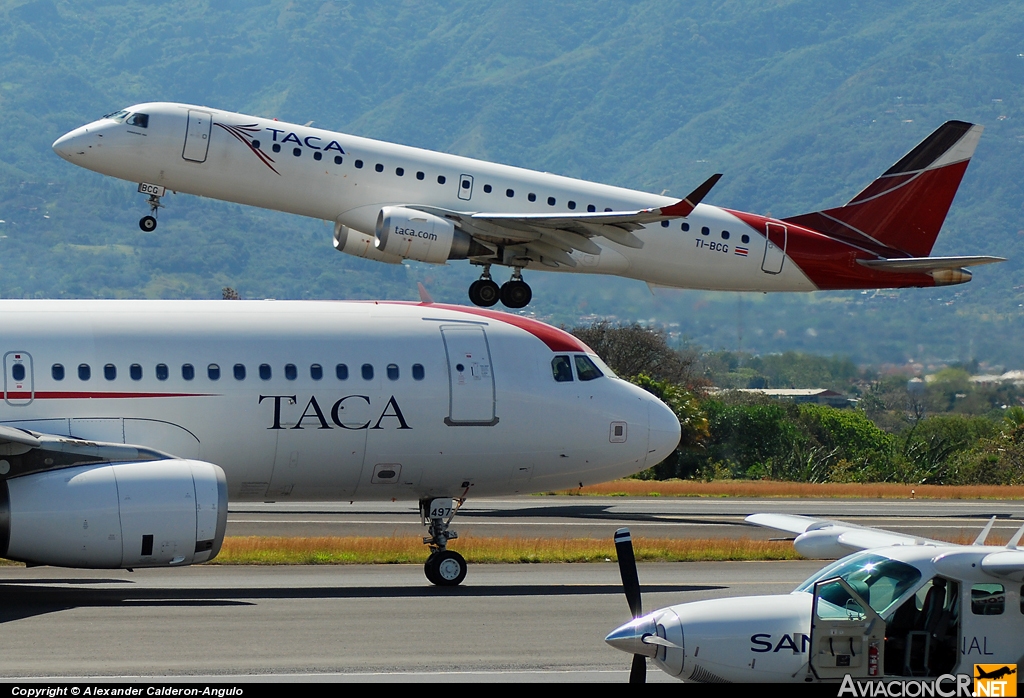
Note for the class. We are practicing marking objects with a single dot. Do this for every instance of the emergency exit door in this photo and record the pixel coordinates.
(19, 388)
(470, 378)
(197, 136)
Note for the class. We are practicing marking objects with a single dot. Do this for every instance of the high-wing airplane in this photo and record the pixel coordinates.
(893, 607)
(127, 426)
(392, 203)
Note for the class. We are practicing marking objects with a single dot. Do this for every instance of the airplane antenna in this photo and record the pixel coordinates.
(1012, 544)
(308, 123)
(980, 540)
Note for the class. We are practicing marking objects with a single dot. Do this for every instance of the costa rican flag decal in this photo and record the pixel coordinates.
(741, 251)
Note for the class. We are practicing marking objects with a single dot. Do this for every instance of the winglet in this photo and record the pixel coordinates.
(424, 296)
(980, 540)
(685, 206)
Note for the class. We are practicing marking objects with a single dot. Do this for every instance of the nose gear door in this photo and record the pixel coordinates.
(197, 136)
(19, 388)
(470, 378)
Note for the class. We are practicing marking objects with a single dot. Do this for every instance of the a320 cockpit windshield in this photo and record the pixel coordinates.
(878, 580)
(118, 115)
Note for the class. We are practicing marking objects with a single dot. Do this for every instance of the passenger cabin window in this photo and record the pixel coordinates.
(316, 372)
(591, 208)
(368, 372)
(84, 372)
(393, 372)
(487, 189)
(379, 167)
(110, 372)
(296, 152)
(561, 369)
(213, 372)
(417, 372)
(337, 160)
(161, 372)
(341, 371)
(572, 205)
(685, 227)
(290, 372)
(277, 148)
(441, 179)
(140, 120)
(586, 369)
(531, 196)
(135, 371)
(239, 372)
(359, 164)
(18, 372)
(57, 371)
(400, 171)
(551, 201)
(420, 175)
(318, 155)
(188, 371)
(510, 193)
(988, 599)
(265, 372)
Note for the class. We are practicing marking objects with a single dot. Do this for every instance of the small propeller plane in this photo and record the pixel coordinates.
(893, 607)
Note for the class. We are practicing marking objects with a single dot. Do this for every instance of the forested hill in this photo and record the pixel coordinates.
(800, 103)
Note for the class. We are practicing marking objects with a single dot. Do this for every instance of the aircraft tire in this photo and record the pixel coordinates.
(445, 569)
(516, 294)
(147, 224)
(484, 292)
(430, 570)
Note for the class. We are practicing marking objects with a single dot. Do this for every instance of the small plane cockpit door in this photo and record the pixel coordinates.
(847, 635)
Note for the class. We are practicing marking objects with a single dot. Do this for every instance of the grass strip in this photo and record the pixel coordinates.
(336, 550)
(793, 490)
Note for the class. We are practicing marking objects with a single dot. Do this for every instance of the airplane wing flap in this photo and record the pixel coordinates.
(790, 523)
(925, 264)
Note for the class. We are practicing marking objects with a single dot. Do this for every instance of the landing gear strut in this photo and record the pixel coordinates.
(444, 567)
(484, 292)
(148, 223)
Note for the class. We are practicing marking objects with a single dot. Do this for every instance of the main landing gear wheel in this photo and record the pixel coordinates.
(516, 294)
(147, 224)
(445, 568)
(484, 292)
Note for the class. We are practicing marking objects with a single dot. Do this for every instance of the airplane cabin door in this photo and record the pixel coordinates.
(465, 187)
(470, 378)
(19, 388)
(847, 635)
(197, 136)
(775, 249)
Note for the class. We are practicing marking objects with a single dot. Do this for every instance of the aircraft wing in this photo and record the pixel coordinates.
(825, 538)
(550, 238)
(31, 451)
(926, 264)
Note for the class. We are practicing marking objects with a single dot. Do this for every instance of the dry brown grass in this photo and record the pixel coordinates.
(770, 488)
(255, 550)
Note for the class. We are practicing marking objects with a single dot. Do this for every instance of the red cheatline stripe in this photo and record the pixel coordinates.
(59, 395)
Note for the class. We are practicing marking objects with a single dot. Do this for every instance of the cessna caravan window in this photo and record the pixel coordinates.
(239, 372)
(290, 372)
(561, 369)
(110, 372)
(57, 371)
(586, 369)
(265, 372)
(316, 372)
(417, 374)
(393, 372)
(135, 371)
(368, 372)
(341, 371)
(117, 115)
(880, 581)
(140, 120)
(84, 372)
(162, 372)
(213, 372)
(188, 371)
(988, 599)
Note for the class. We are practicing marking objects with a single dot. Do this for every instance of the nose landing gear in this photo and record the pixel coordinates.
(444, 567)
(148, 223)
(514, 293)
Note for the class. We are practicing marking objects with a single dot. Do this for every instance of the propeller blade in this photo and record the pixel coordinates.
(638, 672)
(627, 571)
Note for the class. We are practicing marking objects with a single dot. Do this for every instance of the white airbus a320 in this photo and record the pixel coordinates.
(126, 427)
(392, 202)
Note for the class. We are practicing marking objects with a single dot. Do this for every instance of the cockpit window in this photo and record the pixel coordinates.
(879, 580)
(605, 369)
(117, 115)
(561, 369)
(586, 369)
(140, 120)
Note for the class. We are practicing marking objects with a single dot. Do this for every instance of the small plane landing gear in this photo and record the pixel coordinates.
(484, 292)
(445, 568)
(516, 293)
(148, 223)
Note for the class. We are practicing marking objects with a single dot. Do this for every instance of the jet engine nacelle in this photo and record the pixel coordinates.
(411, 234)
(360, 244)
(142, 514)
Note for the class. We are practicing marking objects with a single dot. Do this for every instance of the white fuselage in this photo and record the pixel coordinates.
(232, 157)
(329, 400)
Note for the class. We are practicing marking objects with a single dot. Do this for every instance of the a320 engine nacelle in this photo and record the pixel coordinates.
(108, 516)
(409, 234)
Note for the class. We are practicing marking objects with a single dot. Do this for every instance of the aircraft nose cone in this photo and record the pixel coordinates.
(630, 637)
(71, 144)
(664, 432)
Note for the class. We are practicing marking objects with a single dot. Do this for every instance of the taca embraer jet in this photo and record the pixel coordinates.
(392, 202)
(126, 426)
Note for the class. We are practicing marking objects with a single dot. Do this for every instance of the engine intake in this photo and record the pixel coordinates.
(419, 236)
(144, 514)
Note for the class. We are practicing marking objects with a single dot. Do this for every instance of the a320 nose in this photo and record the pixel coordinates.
(70, 143)
(664, 432)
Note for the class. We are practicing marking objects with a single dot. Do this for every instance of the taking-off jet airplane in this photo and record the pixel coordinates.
(392, 202)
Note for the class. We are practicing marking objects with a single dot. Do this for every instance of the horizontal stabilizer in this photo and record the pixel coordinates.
(926, 264)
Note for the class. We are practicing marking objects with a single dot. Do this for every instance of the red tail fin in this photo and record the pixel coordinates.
(905, 207)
